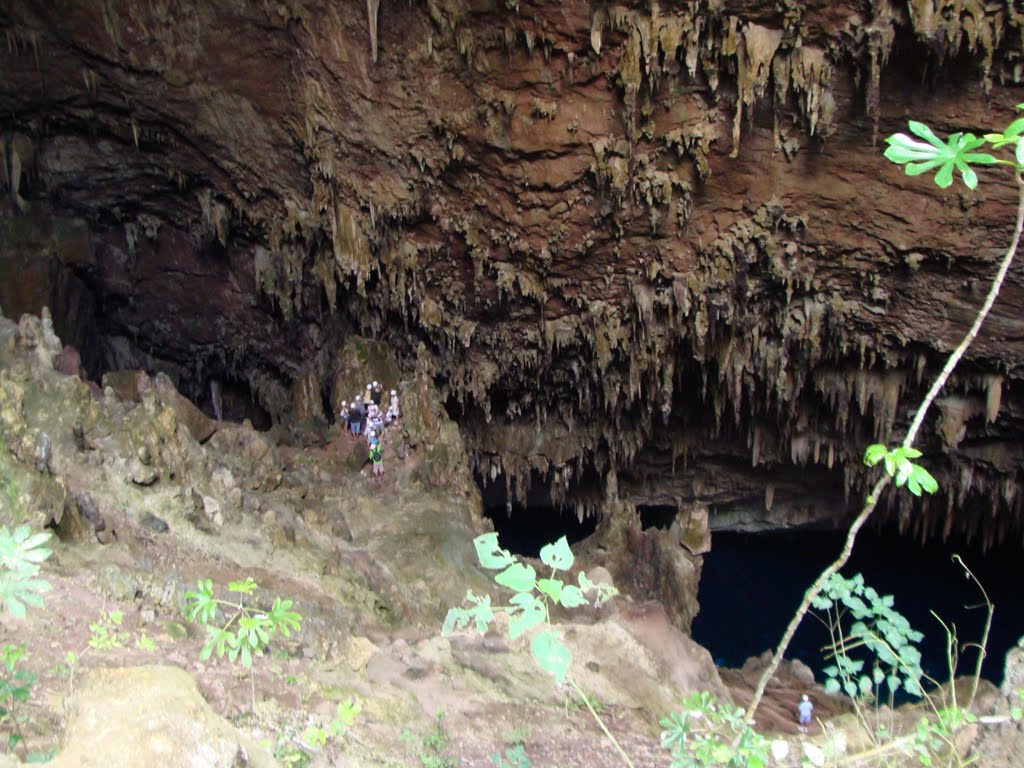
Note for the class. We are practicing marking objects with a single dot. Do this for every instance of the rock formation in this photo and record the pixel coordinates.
(643, 246)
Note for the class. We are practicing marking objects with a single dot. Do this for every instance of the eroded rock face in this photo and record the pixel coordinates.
(655, 240)
(151, 716)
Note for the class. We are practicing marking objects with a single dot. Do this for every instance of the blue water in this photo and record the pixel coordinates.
(752, 583)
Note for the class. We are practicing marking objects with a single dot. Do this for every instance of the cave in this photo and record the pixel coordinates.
(525, 525)
(659, 516)
(746, 600)
(641, 273)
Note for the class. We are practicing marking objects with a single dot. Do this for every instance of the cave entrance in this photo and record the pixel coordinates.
(524, 528)
(751, 584)
(660, 516)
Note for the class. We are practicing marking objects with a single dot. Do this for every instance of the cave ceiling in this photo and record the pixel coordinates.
(647, 250)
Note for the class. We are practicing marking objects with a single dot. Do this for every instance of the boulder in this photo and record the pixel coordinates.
(199, 425)
(151, 717)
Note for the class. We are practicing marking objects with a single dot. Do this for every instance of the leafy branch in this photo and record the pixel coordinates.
(528, 608)
(956, 153)
(899, 466)
(246, 631)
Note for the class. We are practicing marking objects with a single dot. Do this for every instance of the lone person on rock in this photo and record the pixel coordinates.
(805, 708)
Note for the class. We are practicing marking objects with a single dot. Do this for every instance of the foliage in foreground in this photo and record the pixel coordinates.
(21, 555)
(245, 630)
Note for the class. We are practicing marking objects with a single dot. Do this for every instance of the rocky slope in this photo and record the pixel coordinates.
(142, 510)
(649, 252)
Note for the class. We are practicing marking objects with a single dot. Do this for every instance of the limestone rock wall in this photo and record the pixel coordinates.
(654, 238)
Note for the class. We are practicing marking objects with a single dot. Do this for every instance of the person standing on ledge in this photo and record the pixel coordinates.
(393, 413)
(377, 457)
(805, 709)
(355, 416)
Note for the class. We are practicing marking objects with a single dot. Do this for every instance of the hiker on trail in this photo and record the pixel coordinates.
(392, 413)
(377, 458)
(368, 397)
(355, 416)
(805, 708)
(377, 393)
(343, 414)
(376, 422)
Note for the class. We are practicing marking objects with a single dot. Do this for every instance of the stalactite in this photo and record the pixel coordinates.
(372, 7)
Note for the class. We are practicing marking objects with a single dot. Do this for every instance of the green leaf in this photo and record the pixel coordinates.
(967, 173)
(875, 453)
(200, 607)
(890, 464)
(551, 654)
(22, 551)
(557, 555)
(925, 479)
(457, 618)
(491, 556)
(551, 587)
(282, 619)
(1019, 154)
(916, 169)
(956, 153)
(913, 486)
(903, 470)
(922, 130)
(531, 613)
(518, 577)
(246, 586)
(481, 612)
(348, 711)
(1016, 128)
(832, 686)
(313, 737)
(944, 178)
(572, 597)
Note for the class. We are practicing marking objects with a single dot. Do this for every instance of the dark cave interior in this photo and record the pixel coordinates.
(747, 599)
(524, 528)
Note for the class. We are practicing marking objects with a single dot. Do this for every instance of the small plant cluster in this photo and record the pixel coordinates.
(529, 606)
(882, 632)
(297, 751)
(515, 751)
(957, 152)
(706, 731)
(105, 634)
(15, 690)
(898, 465)
(246, 631)
(432, 748)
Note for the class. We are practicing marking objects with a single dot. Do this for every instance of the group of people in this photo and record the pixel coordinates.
(364, 417)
